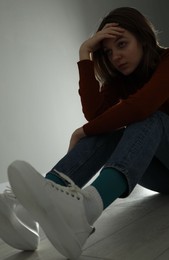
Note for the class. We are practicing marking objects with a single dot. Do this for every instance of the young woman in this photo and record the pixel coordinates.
(124, 90)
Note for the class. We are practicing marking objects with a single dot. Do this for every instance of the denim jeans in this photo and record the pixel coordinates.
(140, 151)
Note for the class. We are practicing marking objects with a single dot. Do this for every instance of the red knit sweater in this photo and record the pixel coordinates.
(106, 111)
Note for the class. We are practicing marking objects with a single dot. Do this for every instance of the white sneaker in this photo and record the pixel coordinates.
(17, 228)
(58, 209)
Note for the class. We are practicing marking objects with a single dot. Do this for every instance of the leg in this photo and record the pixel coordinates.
(138, 146)
(132, 156)
(87, 157)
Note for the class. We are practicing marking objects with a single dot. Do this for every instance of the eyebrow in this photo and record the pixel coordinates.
(118, 38)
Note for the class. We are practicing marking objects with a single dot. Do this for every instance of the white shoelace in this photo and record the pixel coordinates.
(9, 193)
(71, 188)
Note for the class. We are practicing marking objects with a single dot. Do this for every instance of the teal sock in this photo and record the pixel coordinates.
(53, 176)
(110, 184)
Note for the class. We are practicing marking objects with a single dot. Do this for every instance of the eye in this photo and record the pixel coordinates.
(122, 44)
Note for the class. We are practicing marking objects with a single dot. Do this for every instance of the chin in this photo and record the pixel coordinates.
(127, 72)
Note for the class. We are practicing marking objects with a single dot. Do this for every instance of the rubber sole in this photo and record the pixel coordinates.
(14, 232)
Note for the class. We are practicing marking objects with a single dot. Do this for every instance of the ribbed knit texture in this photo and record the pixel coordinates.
(110, 184)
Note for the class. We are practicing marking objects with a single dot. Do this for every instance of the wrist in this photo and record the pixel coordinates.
(84, 53)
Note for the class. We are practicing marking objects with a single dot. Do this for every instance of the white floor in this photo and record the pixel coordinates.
(135, 228)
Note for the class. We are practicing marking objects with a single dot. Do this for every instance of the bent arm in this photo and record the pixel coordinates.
(136, 107)
(93, 100)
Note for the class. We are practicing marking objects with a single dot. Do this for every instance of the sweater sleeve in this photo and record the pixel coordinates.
(94, 100)
(150, 98)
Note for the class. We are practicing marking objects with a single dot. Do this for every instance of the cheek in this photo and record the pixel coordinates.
(137, 54)
(139, 49)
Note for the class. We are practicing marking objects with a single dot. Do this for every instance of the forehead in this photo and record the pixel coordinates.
(110, 41)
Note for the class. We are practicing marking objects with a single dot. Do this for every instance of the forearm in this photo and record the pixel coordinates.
(88, 89)
(94, 101)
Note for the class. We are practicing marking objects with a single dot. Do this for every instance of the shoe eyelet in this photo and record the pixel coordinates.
(67, 192)
(73, 195)
(78, 198)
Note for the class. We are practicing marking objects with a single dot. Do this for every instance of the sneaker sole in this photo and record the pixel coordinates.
(13, 232)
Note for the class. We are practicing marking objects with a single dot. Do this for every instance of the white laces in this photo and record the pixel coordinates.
(71, 188)
(9, 193)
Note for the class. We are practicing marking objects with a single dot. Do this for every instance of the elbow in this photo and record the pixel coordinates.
(89, 116)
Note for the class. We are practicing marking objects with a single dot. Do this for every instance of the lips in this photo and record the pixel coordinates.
(121, 66)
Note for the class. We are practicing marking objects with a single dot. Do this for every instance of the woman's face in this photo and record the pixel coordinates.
(124, 52)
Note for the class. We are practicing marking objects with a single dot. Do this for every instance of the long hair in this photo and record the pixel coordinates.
(137, 24)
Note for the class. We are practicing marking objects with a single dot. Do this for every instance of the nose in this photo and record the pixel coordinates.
(116, 56)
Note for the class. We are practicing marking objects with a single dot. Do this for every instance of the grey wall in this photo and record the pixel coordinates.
(39, 42)
(156, 10)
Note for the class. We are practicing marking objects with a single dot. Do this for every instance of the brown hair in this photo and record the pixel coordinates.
(133, 21)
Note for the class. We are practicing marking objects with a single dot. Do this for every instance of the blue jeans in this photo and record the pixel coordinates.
(140, 152)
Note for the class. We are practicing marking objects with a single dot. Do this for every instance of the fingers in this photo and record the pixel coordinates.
(114, 27)
(112, 30)
(111, 25)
